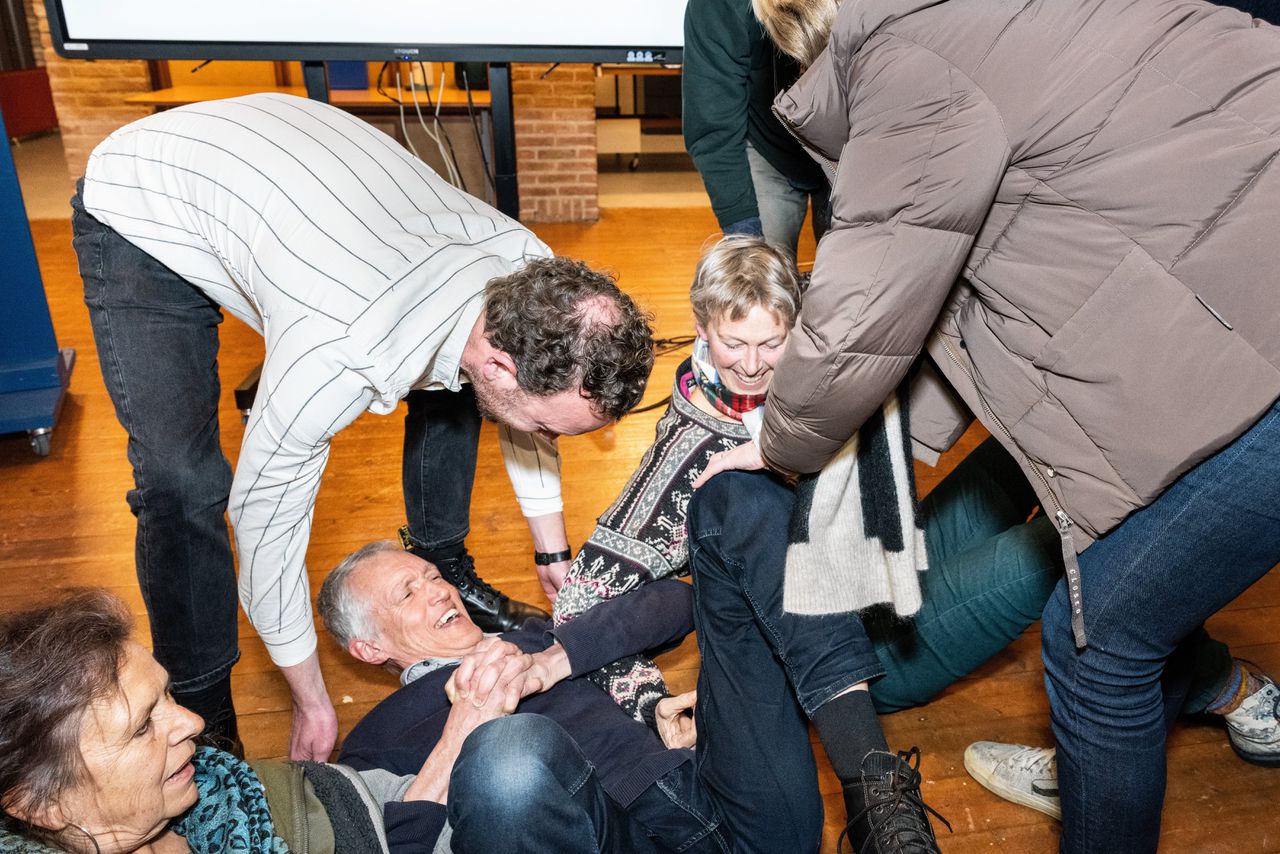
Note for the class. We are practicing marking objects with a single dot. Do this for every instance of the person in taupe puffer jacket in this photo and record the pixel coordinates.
(1101, 177)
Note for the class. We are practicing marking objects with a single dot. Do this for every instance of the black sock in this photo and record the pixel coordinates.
(849, 729)
(441, 554)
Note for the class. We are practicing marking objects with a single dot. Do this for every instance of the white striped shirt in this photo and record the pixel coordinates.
(362, 269)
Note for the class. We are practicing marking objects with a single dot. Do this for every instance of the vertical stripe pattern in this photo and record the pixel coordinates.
(362, 269)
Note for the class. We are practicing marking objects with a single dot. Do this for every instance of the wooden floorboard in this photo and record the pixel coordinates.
(65, 524)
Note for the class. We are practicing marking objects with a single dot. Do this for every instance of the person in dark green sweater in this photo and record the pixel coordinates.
(759, 179)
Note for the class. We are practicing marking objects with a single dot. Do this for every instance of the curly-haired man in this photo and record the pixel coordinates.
(372, 281)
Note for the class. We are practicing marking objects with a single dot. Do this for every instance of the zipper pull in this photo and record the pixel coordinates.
(1071, 563)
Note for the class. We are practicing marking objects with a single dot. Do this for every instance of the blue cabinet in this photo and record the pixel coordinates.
(34, 372)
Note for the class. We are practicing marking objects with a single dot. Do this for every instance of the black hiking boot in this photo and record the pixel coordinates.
(885, 811)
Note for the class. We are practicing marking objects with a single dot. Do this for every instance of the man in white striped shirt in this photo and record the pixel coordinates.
(369, 278)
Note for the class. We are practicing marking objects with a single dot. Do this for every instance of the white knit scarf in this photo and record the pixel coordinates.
(855, 540)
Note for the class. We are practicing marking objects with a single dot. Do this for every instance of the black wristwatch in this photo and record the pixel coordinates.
(548, 558)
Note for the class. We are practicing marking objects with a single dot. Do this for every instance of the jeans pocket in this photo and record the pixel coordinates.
(87, 242)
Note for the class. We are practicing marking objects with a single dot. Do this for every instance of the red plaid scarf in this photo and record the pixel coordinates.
(705, 377)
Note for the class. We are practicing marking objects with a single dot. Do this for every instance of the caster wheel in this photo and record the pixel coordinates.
(40, 440)
(634, 164)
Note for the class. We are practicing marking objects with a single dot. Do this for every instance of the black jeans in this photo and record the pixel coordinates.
(157, 339)
(441, 437)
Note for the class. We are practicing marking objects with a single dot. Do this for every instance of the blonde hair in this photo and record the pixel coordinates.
(800, 28)
(739, 273)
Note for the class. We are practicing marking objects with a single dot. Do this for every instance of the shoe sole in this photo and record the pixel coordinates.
(1035, 802)
(1264, 760)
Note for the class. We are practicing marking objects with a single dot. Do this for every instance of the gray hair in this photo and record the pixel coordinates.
(739, 273)
(345, 616)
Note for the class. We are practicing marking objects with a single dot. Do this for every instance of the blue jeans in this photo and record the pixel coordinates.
(521, 783)
(783, 203)
(990, 573)
(1147, 587)
(764, 672)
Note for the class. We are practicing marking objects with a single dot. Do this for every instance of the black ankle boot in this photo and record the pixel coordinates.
(214, 704)
(885, 811)
(489, 608)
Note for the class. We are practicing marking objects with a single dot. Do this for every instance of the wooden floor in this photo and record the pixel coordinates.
(63, 522)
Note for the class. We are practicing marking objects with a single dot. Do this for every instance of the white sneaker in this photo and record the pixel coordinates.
(1024, 775)
(1254, 727)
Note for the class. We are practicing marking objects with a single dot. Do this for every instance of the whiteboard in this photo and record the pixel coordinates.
(492, 30)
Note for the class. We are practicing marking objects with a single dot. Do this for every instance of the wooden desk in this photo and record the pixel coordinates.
(451, 100)
(624, 69)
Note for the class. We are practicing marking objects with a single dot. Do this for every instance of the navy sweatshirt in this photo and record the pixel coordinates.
(401, 731)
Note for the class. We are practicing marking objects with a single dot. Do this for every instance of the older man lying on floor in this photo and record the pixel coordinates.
(571, 771)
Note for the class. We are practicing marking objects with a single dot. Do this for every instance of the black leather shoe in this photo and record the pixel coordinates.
(490, 609)
(884, 808)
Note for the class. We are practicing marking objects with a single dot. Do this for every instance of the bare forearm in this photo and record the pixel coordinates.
(432, 781)
(549, 537)
(548, 532)
(315, 724)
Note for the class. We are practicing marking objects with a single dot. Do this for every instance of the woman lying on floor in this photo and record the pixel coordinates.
(990, 571)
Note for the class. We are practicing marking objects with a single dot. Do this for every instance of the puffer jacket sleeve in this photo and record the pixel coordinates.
(921, 152)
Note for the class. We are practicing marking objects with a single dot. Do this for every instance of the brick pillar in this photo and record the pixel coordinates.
(33, 29)
(555, 123)
(89, 97)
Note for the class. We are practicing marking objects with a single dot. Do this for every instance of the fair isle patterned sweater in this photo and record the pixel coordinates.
(643, 537)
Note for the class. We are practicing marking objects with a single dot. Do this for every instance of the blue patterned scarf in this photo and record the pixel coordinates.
(231, 814)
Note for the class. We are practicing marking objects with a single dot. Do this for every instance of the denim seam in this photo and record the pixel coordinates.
(767, 626)
(576, 786)
(432, 545)
(1156, 537)
(198, 683)
(708, 826)
(828, 693)
(1011, 583)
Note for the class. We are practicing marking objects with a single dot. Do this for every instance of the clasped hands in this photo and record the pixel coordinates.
(497, 674)
(492, 679)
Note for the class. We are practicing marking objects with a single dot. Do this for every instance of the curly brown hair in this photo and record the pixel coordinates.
(565, 324)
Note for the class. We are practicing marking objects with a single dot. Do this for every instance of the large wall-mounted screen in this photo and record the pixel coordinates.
(445, 30)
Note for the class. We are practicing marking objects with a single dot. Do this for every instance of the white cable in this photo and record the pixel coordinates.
(453, 176)
(404, 127)
(441, 134)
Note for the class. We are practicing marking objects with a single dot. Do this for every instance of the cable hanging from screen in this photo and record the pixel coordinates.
(443, 144)
(475, 126)
(439, 135)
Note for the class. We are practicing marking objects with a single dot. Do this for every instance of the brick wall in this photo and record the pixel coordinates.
(89, 96)
(554, 119)
(555, 122)
(33, 29)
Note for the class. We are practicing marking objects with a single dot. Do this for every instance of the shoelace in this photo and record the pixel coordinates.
(463, 575)
(902, 797)
(1035, 760)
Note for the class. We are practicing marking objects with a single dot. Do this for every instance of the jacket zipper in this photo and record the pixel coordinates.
(831, 168)
(1063, 522)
